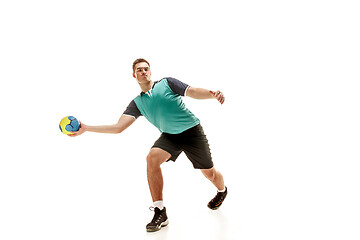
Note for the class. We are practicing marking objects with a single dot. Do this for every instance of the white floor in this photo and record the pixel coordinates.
(99, 198)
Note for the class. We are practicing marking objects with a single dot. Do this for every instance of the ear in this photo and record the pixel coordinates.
(134, 75)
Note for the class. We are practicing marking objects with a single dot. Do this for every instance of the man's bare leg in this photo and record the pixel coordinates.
(154, 159)
(215, 177)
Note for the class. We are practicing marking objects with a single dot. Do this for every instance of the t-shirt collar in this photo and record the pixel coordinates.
(142, 93)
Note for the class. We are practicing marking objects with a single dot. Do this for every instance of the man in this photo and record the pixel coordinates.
(161, 103)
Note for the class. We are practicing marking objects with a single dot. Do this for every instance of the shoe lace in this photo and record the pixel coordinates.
(157, 217)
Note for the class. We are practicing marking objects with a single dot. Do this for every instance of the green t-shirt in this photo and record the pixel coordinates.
(163, 107)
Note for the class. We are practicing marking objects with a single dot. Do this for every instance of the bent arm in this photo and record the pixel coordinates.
(124, 122)
(201, 93)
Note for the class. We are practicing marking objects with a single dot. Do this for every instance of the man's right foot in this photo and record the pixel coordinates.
(159, 220)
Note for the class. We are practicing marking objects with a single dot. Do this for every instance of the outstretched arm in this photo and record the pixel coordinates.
(124, 122)
(200, 93)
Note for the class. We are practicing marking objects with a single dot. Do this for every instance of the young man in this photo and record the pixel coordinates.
(161, 103)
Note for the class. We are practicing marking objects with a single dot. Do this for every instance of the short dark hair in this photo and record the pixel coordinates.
(139, 60)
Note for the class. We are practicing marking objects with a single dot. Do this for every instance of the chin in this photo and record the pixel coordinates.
(143, 80)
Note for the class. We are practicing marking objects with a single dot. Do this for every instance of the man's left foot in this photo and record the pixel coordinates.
(216, 202)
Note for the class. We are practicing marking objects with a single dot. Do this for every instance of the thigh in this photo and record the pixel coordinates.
(197, 149)
(168, 144)
(158, 155)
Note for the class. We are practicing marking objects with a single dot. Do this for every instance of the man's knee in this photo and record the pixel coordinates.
(152, 160)
(209, 173)
(155, 158)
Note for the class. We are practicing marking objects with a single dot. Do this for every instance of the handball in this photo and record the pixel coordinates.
(69, 124)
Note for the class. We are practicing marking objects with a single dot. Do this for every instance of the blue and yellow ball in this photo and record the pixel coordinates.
(69, 124)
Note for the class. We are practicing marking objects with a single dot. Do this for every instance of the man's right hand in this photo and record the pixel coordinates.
(81, 130)
(124, 122)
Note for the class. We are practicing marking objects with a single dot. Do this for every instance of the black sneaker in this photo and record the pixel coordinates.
(159, 220)
(216, 202)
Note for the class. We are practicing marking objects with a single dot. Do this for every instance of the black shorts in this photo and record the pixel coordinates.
(192, 141)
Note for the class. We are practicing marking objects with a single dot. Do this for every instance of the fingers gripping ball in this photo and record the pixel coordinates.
(69, 124)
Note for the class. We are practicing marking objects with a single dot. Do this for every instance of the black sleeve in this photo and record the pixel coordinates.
(132, 110)
(177, 86)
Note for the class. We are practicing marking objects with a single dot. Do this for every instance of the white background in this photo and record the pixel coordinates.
(286, 139)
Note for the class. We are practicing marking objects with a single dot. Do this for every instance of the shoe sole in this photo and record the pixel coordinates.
(163, 224)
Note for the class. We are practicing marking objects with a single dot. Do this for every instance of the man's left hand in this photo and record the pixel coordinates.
(219, 96)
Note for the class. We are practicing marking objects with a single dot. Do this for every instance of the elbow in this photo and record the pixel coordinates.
(118, 129)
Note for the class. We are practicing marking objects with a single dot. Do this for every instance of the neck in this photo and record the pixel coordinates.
(146, 86)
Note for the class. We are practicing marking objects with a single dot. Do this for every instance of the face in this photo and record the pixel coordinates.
(142, 72)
